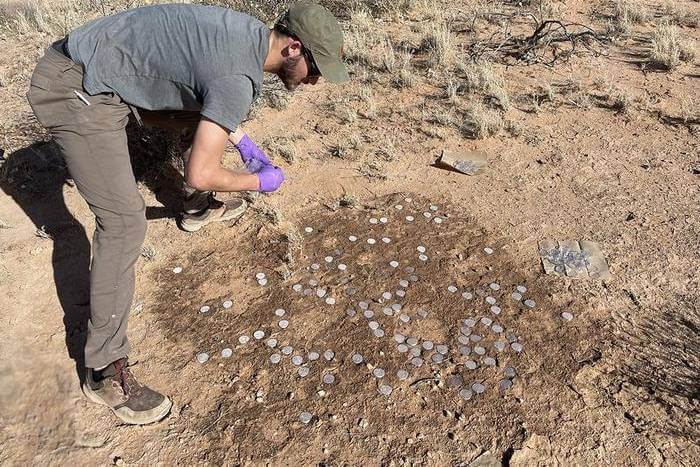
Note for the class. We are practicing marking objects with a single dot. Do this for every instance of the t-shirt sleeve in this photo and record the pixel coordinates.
(227, 100)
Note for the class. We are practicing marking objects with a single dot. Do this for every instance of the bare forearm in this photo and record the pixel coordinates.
(223, 179)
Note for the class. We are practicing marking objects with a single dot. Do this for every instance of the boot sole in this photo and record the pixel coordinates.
(127, 415)
(193, 226)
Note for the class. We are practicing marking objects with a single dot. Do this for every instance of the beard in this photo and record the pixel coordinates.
(291, 73)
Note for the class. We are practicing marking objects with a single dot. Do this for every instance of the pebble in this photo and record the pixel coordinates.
(297, 360)
(202, 357)
(330, 300)
(466, 394)
(328, 378)
(566, 316)
(287, 350)
(371, 241)
(517, 347)
(259, 334)
(509, 372)
(470, 364)
(177, 270)
(262, 282)
(383, 220)
(271, 342)
(283, 324)
(410, 218)
(305, 417)
(438, 220)
(280, 312)
(490, 300)
(328, 355)
(394, 264)
(385, 389)
(488, 251)
(373, 220)
(226, 353)
(243, 339)
(357, 358)
(521, 289)
(423, 257)
(494, 286)
(308, 229)
(260, 275)
(386, 240)
(352, 238)
(467, 295)
(451, 289)
(303, 371)
(297, 287)
(529, 303)
(417, 362)
(517, 296)
(369, 314)
(312, 356)
(505, 384)
(402, 374)
(275, 358)
(227, 304)
(378, 373)
(478, 388)
(204, 309)
(495, 309)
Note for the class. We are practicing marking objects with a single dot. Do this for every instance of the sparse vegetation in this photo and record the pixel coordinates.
(480, 122)
(281, 147)
(148, 252)
(668, 48)
(627, 13)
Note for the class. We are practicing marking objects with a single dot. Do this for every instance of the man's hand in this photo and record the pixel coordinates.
(250, 152)
(271, 178)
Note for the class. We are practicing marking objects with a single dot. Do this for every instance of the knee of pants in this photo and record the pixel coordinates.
(129, 226)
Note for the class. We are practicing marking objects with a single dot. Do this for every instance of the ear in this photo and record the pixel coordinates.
(293, 48)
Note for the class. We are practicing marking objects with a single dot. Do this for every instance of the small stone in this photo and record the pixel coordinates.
(455, 381)
(398, 207)
(297, 360)
(400, 293)
(328, 355)
(428, 345)
(283, 324)
(262, 282)
(467, 295)
(350, 312)
(488, 251)
(452, 289)
(466, 394)
(394, 264)
(386, 240)
(517, 347)
(516, 296)
(385, 389)
(478, 388)
(509, 372)
(404, 318)
(287, 349)
(403, 283)
(204, 309)
(427, 215)
(371, 241)
(342, 267)
(297, 287)
(486, 321)
(442, 349)
(378, 373)
(402, 374)
(433, 208)
(202, 357)
(415, 351)
(417, 362)
(437, 220)
(386, 295)
(529, 303)
(489, 361)
(497, 328)
(479, 350)
(464, 350)
(328, 259)
(330, 300)
(423, 257)
(303, 371)
(275, 358)
(495, 309)
(566, 316)
(328, 378)
(369, 314)
(410, 218)
(521, 289)
(378, 333)
(420, 248)
(403, 348)
(227, 304)
(315, 267)
(259, 334)
(373, 220)
(177, 270)
(437, 358)
(357, 358)
(470, 364)
(271, 342)
(494, 286)
(490, 300)
(463, 339)
(399, 338)
(308, 229)
(279, 312)
(505, 384)
(363, 305)
(305, 417)
(373, 325)
(500, 346)
(383, 220)
(312, 356)
(243, 339)
(352, 238)
(412, 341)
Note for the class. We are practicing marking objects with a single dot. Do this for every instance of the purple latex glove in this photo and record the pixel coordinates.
(271, 178)
(251, 155)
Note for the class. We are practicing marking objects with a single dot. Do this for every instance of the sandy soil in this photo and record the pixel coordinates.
(616, 385)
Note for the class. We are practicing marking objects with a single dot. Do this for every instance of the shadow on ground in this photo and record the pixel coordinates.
(35, 177)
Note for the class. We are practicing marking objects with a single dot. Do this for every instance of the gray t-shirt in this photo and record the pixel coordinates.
(176, 57)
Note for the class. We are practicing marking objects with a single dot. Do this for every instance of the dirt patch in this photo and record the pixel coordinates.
(261, 403)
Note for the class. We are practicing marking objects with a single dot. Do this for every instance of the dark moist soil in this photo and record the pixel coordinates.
(256, 413)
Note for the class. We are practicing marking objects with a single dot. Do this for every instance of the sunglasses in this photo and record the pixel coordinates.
(314, 72)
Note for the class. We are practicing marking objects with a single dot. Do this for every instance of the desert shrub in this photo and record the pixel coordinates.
(668, 49)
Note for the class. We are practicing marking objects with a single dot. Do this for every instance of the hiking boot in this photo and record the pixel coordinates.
(214, 211)
(115, 387)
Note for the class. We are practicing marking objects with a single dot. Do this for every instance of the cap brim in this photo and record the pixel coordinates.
(331, 68)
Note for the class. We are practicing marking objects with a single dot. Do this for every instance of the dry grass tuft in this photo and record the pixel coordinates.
(281, 148)
(405, 77)
(481, 122)
(482, 78)
(148, 252)
(440, 45)
(628, 13)
(668, 49)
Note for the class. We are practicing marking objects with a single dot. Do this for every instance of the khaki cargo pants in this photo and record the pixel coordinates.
(94, 144)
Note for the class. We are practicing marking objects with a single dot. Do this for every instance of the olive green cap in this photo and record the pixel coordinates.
(319, 31)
